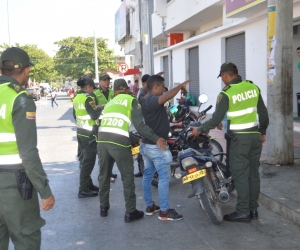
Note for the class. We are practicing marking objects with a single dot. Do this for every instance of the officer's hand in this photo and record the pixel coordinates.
(220, 126)
(264, 138)
(48, 204)
(101, 107)
(161, 143)
(194, 131)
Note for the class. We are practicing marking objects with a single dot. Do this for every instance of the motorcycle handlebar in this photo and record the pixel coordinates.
(204, 111)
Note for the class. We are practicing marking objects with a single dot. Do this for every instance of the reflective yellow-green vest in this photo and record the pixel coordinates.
(116, 117)
(242, 111)
(83, 119)
(101, 99)
(9, 153)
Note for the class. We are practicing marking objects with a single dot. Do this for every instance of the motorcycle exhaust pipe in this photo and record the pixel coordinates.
(223, 195)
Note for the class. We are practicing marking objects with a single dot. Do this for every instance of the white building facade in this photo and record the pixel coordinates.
(190, 39)
(214, 32)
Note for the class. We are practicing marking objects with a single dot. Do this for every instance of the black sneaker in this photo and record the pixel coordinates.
(152, 209)
(103, 211)
(170, 215)
(89, 193)
(113, 175)
(138, 174)
(135, 215)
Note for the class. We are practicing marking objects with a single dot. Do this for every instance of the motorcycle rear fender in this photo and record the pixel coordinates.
(197, 186)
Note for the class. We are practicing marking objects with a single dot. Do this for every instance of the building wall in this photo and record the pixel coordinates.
(212, 48)
(177, 12)
(211, 56)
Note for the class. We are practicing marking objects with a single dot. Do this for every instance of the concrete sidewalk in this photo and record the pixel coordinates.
(279, 184)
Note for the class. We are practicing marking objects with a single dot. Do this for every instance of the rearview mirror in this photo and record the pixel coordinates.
(203, 98)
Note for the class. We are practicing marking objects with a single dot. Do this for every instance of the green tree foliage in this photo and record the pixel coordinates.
(76, 56)
(43, 69)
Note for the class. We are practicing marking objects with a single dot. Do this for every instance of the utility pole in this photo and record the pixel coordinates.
(8, 24)
(280, 142)
(146, 29)
(96, 58)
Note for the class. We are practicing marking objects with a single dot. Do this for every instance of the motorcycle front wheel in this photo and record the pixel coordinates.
(210, 201)
(217, 149)
(141, 163)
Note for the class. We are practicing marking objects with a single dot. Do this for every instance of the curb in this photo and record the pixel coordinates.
(279, 208)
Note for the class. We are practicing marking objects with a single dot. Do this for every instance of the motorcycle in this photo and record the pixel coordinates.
(211, 180)
(175, 147)
(181, 117)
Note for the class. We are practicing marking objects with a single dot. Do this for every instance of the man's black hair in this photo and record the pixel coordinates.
(136, 80)
(154, 80)
(298, 48)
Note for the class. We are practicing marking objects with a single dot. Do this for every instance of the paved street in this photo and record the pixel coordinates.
(76, 224)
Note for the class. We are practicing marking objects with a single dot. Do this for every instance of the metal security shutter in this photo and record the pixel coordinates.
(235, 53)
(194, 85)
(166, 70)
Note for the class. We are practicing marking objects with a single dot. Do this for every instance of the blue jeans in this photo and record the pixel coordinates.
(156, 160)
(187, 104)
(53, 101)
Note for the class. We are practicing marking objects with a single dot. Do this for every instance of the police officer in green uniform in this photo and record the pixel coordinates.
(114, 146)
(103, 95)
(248, 115)
(86, 112)
(79, 91)
(22, 176)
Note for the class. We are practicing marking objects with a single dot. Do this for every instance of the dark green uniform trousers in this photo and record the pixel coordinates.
(19, 219)
(244, 162)
(87, 162)
(109, 154)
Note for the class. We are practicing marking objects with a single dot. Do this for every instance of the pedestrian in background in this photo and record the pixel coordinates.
(155, 159)
(86, 112)
(114, 145)
(144, 86)
(186, 99)
(248, 115)
(53, 98)
(42, 91)
(22, 175)
(130, 85)
(135, 88)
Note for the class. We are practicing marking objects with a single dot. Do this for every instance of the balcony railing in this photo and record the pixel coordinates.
(159, 45)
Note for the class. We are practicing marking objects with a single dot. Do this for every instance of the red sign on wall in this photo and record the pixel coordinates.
(236, 6)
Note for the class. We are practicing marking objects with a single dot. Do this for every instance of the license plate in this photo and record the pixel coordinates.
(194, 176)
(135, 150)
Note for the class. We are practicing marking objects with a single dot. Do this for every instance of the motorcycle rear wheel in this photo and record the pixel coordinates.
(210, 201)
(216, 149)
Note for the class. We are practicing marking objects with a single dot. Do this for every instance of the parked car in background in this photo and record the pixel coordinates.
(35, 93)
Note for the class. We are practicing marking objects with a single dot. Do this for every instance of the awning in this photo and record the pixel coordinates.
(132, 72)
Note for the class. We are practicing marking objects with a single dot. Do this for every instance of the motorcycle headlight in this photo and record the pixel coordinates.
(208, 164)
(188, 161)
